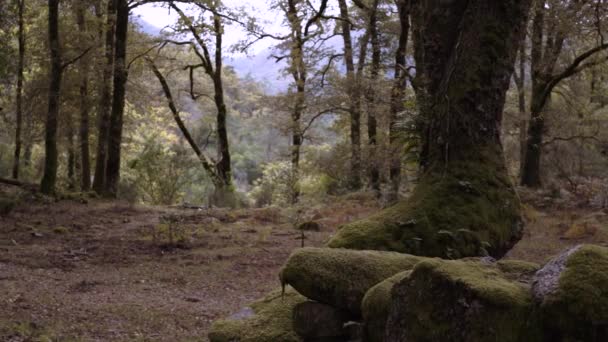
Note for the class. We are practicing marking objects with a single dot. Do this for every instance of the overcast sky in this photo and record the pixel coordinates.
(161, 17)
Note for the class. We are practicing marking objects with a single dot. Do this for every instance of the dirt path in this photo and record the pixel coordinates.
(93, 272)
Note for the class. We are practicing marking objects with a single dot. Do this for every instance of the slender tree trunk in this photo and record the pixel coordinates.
(71, 149)
(105, 100)
(118, 100)
(299, 74)
(19, 97)
(224, 194)
(50, 162)
(374, 173)
(355, 101)
(397, 99)
(530, 171)
(520, 82)
(84, 102)
(464, 203)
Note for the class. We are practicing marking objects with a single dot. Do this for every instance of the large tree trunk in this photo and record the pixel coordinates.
(105, 100)
(397, 101)
(19, 97)
(118, 100)
(85, 165)
(464, 204)
(49, 179)
(355, 101)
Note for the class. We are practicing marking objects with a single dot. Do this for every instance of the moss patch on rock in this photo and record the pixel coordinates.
(460, 301)
(573, 293)
(471, 209)
(268, 319)
(341, 277)
(375, 307)
(517, 269)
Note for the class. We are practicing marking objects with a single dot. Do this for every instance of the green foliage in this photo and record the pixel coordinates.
(274, 187)
(161, 174)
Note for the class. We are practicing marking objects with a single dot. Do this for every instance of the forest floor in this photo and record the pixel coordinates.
(92, 270)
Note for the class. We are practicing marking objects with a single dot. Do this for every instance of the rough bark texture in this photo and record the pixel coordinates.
(118, 99)
(464, 204)
(50, 153)
(105, 100)
(19, 96)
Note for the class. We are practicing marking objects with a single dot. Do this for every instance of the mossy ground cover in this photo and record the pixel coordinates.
(471, 209)
(270, 319)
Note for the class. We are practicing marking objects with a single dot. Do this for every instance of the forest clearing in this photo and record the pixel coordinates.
(304, 170)
(74, 271)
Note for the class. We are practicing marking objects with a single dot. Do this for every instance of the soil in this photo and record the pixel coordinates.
(92, 270)
(106, 271)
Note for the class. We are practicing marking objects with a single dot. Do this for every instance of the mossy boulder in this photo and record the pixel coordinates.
(375, 307)
(268, 319)
(341, 277)
(460, 301)
(317, 321)
(470, 210)
(572, 291)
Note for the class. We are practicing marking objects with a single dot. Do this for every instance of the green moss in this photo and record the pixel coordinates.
(270, 319)
(517, 269)
(461, 301)
(375, 307)
(341, 277)
(471, 209)
(578, 309)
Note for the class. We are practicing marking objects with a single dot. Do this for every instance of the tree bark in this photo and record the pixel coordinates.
(19, 96)
(49, 179)
(464, 203)
(224, 193)
(71, 150)
(105, 100)
(118, 99)
(85, 169)
(397, 99)
(520, 82)
(372, 124)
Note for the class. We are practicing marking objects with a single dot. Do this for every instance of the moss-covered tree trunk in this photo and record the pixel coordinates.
(464, 203)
